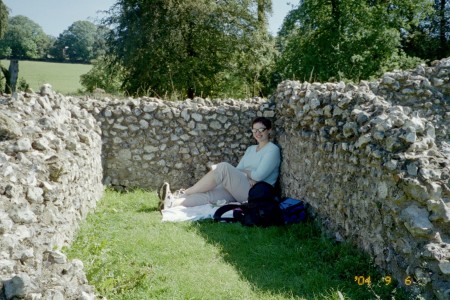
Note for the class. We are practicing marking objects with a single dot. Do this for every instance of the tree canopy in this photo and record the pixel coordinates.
(79, 43)
(24, 39)
(222, 48)
(346, 39)
(429, 39)
(189, 47)
(3, 18)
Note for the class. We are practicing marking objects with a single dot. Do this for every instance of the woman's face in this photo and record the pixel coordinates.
(260, 132)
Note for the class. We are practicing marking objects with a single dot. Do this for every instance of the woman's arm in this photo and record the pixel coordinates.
(240, 165)
(248, 174)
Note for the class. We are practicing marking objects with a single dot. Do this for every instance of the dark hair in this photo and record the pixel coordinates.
(266, 122)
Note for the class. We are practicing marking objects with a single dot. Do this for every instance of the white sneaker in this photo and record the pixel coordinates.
(173, 197)
(169, 200)
(179, 193)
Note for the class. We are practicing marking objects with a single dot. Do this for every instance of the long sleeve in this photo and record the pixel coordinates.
(269, 164)
(263, 165)
(241, 164)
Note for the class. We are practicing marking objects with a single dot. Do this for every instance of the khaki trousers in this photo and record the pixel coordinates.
(232, 186)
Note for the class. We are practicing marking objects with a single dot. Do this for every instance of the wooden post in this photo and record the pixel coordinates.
(13, 73)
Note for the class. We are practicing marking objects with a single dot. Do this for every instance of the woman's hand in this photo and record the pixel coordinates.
(250, 180)
(247, 173)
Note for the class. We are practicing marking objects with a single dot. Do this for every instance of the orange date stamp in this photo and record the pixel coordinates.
(387, 280)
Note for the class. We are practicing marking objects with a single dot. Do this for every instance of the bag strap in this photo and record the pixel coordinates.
(223, 209)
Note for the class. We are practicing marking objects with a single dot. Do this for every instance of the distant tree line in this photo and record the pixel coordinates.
(24, 39)
(222, 48)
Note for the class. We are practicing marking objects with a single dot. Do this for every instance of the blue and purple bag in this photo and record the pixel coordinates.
(293, 210)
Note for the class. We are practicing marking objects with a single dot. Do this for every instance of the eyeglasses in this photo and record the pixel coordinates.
(260, 130)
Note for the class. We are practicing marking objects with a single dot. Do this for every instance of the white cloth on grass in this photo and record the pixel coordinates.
(194, 213)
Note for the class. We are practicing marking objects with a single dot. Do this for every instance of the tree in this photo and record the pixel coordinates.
(430, 39)
(3, 27)
(24, 39)
(100, 45)
(104, 74)
(352, 39)
(3, 19)
(264, 8)
(78, 43)
(185, 48)
(443, 13)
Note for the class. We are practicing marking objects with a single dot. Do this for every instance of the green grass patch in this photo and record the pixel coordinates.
(64, 78)
(130, 254)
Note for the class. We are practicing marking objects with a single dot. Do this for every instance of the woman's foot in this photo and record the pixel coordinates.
(179, 193)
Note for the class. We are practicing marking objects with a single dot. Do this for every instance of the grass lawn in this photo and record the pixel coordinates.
(129, 253)
(64, 78)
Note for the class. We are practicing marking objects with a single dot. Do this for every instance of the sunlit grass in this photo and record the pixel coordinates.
(130, 254)
(64, 78)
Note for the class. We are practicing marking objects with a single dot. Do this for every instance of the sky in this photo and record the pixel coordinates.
(55, 16)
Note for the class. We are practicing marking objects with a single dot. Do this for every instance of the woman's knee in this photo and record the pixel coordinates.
(223, 166)
(222, 172)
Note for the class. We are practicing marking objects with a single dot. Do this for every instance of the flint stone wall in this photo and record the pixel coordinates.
(148, 141)
(51, 177)
(55, 158)
(373, 161)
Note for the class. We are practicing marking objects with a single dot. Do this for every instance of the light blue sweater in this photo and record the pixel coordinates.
(263, 164)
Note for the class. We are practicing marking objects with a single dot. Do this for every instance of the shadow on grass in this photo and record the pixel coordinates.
(148, 209)
(294, 261)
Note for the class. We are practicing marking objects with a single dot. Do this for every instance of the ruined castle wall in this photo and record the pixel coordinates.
(149, 141)
(425, 91)
(50, 178)
(373, 161)
(57, 153)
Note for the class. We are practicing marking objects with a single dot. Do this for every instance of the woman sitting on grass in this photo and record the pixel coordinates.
(260, 162)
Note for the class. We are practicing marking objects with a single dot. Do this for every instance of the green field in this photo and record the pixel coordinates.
(64, 78)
